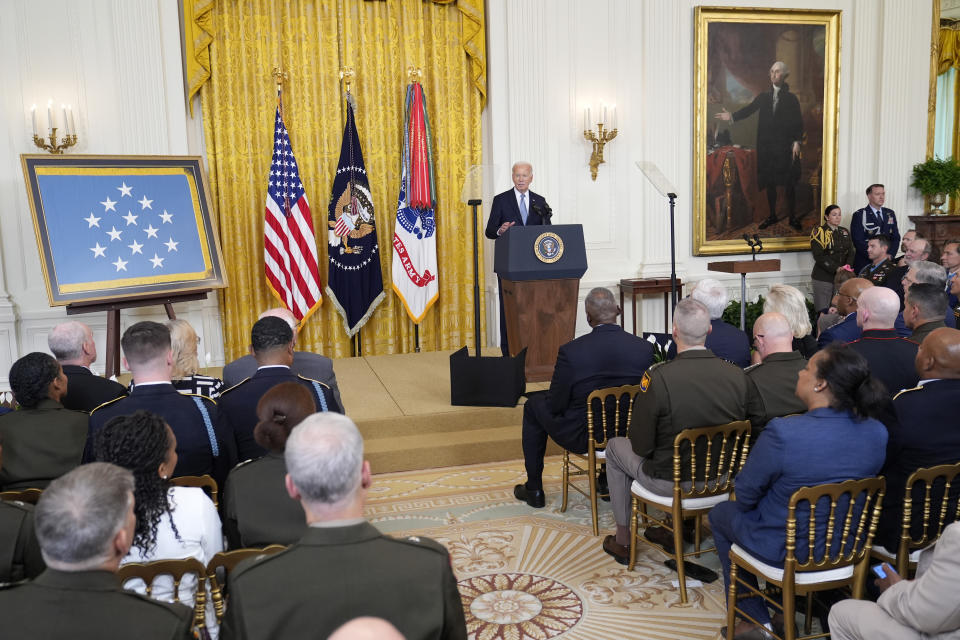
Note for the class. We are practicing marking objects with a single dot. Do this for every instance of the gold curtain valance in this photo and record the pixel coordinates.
(949, 50)
(198, 34)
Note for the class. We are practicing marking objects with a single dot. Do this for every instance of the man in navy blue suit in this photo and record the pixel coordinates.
(608, 356)
(871, 221)
(726, 341)
(846, 330)
(516, 206)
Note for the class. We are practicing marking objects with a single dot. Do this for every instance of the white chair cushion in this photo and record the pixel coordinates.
(667, 501)
(882, 551)
(601, 454)
(801, 577)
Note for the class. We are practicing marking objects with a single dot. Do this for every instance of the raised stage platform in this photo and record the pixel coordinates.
(401, 403)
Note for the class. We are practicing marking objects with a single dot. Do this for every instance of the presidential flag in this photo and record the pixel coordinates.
(414, 235)
(290, 248)
(354, 284)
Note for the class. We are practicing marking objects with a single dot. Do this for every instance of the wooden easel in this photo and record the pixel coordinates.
(113, 307)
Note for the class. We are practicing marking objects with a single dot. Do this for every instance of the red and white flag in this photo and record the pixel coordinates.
(290, 248)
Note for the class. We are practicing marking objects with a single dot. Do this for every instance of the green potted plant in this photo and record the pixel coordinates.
(937, 178)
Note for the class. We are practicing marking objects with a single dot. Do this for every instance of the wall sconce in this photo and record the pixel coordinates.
(69, 128)
(602, 135)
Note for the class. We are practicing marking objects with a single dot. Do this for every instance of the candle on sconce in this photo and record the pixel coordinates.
(614, 116)
(50, 115)
(33, 116)
(604, 120)
(589, 119)
(73, 124)
(586, 119)
(66, 122)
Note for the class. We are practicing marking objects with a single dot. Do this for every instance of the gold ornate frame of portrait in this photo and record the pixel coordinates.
(822, 183)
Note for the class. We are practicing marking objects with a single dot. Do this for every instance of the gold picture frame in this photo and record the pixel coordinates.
(745, 161)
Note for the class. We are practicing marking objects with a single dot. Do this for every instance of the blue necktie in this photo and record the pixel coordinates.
(523, 207)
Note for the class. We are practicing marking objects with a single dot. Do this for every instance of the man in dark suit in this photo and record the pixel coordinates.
(271, 341)
(847, 329)
(870, 221)
(205, 442)
(608, 356)
(925, 433)
(343, 567)
(72, 344)
(695, 389)
(779, 132)
(891, 357)
(310, 365)
(775, 378)
(85, 526)
(726, 341)
(516, 206)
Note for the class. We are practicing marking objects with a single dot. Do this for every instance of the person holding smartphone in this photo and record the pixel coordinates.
(926, 607)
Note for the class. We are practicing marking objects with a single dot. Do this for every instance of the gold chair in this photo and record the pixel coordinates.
(29, 496)
(845, 561)
(226, 561)
(205, 482)
(597, 403)
(711, 457)
(177, 569)
(908, 552)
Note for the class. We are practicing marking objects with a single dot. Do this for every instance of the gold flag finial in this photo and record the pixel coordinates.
(346, 75)
(279, 76)
(414, 74)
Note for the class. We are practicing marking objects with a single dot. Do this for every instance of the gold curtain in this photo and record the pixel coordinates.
(313, 40)
(949, 57)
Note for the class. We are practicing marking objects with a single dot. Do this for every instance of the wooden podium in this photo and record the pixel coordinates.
(743, 267)
(540, 291)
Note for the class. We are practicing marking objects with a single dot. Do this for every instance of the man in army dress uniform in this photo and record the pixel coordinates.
(775, 378)
(272, 342)
(343, 568)
(19, 551)
(205, 442)
(881, 267)
(695, 389)
(85, 524)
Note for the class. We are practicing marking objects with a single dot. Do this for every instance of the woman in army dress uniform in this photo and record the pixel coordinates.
(832, 249)
(257, 510)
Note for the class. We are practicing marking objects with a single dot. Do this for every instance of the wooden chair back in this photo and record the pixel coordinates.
(609, 411)
(936, 508)
(710, 457)
(30, 496)
(220, 566)
(205, 482)
(177, 569)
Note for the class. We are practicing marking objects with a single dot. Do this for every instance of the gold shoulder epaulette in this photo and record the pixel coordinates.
(303, 377)
(199, 395)
(234, 386)
(903, 391)
(107, 403)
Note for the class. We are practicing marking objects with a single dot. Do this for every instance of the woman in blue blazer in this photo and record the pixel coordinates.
(839, 438)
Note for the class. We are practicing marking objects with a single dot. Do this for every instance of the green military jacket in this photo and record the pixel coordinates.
(695, 389)
(879, 274)
(20, 556)
(775, 380)
(831, 249)
(40, 444)
(926, 329)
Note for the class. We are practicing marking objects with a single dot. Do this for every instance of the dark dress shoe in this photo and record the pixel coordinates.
(661, 537)
(768, 222)
(616, 550)
(602, 487)
(796, 224)
(533, 497)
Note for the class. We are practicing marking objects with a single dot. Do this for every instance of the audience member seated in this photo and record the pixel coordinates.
(20, 556)
(916, 249)
(905, 242)
(775, 378)
(954, 293)
(73, 346)
(837, 439)
(172, 522)
(925, 434)
(184, 343)
(272, 345)
(695, 389)
(343, 567)
(726, 341)
(608, 356)
(85, 524)
(924, 309)
(830, 316)
(205, 442)
(257, 511)
(881, 267)
(42, 440)
(309, 365)
(847, 329)
(890, 357)
(791, 304)
(950, 259)
(923, 608)
(927, 272)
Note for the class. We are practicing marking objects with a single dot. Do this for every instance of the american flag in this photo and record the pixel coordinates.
(290, 249)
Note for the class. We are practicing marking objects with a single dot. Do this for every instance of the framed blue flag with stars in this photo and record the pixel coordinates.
(113, 227)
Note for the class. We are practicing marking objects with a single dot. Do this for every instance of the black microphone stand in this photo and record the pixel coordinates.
(476, 279)
(673, 255)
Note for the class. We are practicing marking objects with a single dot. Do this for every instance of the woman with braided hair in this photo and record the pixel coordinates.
(172, 522)
(257, 509)
(839, 438)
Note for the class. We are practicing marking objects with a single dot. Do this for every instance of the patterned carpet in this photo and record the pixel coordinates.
(534, 574)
